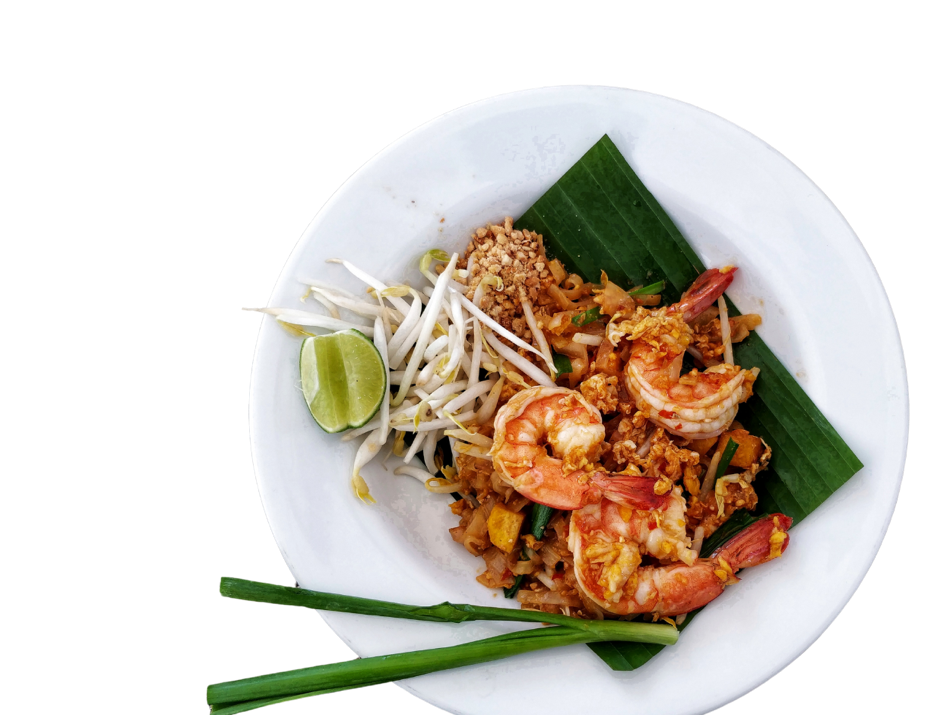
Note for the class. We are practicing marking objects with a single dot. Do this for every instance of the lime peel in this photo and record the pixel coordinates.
(343, 379)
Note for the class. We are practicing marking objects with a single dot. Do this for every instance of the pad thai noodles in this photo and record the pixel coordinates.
(586, 431)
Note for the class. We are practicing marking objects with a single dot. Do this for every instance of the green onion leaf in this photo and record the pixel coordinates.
(511, 591)
(250, 693)
(563, 364)
(518, 581)
(540, 519)
(652, 289)
(440, 613)
(619, 655)
(731, 447)
(589, 316)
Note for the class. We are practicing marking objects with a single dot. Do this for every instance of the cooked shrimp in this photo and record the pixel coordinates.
(676, 588)
(698, 404)
(661, 533)
(538, 419)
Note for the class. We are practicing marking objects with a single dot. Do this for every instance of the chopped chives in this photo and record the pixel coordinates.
(563, 364)
(541, 515)
(589, 316)
(652, 289)
(511, 591)
(730, 448)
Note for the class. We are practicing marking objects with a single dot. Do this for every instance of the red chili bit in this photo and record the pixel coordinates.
(666, 413)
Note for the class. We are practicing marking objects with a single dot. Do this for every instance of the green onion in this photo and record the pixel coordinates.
(241, 695)
(589, 316)
(563, 364)
(511, 591)
(621, 655)
(652, 289)
(440, 613)
(730, 448)
(540, 518)
(518, 581)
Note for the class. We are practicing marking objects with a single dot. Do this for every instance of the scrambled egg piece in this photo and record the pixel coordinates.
(602, 392)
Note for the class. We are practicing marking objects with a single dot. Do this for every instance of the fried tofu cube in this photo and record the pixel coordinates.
(750, 448)
(701, 446)
(504, 527)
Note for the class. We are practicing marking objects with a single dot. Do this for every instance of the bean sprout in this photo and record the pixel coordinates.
(490, 404)
(315, 320)
(539, 335)
(428, 452)
(468, 395)
(473, 371)
(471, 437)
(586, 339)
(376, 285)
(413, 449)
(519, 362)
(496, 327)
(354, 305)
(434, 305)
(419, 474)
(326, 303)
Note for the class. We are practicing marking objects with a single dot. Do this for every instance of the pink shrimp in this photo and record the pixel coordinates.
(676, 588)
(661, 533)
(698, 404)
(542, 418)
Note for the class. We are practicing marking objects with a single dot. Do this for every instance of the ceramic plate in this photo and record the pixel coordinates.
(737, 201)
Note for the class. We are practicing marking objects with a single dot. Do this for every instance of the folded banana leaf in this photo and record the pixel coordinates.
(600, 216)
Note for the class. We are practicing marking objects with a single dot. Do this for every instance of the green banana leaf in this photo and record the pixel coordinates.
(600, 216)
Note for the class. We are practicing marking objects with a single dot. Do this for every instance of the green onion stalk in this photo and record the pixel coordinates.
(731, 447)
(540, 519)
(250, 693)
(652, 289)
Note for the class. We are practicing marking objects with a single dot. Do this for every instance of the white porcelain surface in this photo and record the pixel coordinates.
(737, 201)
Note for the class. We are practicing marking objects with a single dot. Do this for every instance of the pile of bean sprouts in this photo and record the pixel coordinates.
(434, 341)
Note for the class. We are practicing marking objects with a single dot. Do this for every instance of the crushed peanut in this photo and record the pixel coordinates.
(516, 257)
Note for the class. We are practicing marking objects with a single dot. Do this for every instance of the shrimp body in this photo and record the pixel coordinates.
(696, 405)
(660, 533)
(678, 587)
(542, 418)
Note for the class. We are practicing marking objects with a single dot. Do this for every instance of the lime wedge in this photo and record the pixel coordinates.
(343, 379)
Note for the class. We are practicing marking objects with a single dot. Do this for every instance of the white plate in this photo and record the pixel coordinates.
(738, 201)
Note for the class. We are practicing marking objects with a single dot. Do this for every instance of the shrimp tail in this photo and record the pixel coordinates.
(764, 540)
(635, 492)
(704, 291)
